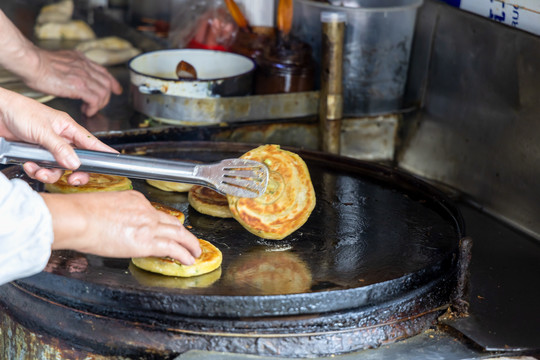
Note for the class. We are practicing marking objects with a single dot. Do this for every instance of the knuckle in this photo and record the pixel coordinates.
(78, 83)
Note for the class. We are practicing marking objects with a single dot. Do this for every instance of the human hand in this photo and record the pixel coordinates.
(118, 224)
(24, 119)
(65, 73)
(70, 74)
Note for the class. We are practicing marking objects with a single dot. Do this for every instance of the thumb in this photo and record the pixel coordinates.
(62, 151)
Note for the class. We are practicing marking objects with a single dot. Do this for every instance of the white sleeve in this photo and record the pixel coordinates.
(26, 231)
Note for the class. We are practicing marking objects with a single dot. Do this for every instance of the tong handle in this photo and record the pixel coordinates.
(104, 163)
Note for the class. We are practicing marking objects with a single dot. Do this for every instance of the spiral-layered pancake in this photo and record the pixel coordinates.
(209, 202)
(170, 186)
(209, 260)
(97, 182)
(289, 198)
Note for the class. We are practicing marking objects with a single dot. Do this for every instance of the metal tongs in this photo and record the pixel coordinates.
(237, 177)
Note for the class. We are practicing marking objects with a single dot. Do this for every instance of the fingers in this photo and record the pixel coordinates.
(113, 84)
(70, 74)
(170, 248)
(41, 174)
(190, 242)
(50, 176)
(84, 139)
(95, 91)
(179, 237)
(95, 97)
(61, 150)
(78, 178)
(101, 84)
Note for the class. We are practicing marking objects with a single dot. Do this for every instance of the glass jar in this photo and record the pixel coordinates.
(285, 67)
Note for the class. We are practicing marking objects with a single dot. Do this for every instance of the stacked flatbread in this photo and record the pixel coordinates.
(55, 21)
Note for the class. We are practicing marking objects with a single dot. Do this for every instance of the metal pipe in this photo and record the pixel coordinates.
(331, 96)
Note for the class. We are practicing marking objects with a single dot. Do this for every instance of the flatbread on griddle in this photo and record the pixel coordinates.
(209, 260)
(289, 198)
(97, 182)
(209, 202)
(147, 278)
(170, 186)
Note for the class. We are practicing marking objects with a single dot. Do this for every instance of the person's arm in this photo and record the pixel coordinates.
(63, 73)
(118, 224)
(113, 224)
(26, 231)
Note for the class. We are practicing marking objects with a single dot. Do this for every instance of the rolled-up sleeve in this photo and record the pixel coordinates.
(26, 231)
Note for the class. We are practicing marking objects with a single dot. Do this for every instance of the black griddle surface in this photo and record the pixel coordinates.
(375, 234)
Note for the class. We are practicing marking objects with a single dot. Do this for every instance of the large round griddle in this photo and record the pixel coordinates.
(376, 234)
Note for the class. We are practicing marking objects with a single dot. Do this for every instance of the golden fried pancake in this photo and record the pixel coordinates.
(209, 260)
(209, 202)
(150, 279)
(261, 272)
(170, 185)
(169, 210)
(289, 198)
(97, 182)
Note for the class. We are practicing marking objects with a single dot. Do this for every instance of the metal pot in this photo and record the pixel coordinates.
(218, 73)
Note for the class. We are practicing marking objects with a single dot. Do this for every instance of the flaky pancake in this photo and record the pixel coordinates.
(209, 260)
(170, 186)
(97, 182)
(261, 272)
(209, 202)
(173, 282)
(289, 198)
(169, 210)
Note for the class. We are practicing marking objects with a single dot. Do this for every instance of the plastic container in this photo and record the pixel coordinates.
(377, 48)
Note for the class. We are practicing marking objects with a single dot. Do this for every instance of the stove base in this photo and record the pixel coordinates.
(33, 327)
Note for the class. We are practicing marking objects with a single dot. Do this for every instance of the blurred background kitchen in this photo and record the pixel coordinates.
(448, 91)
